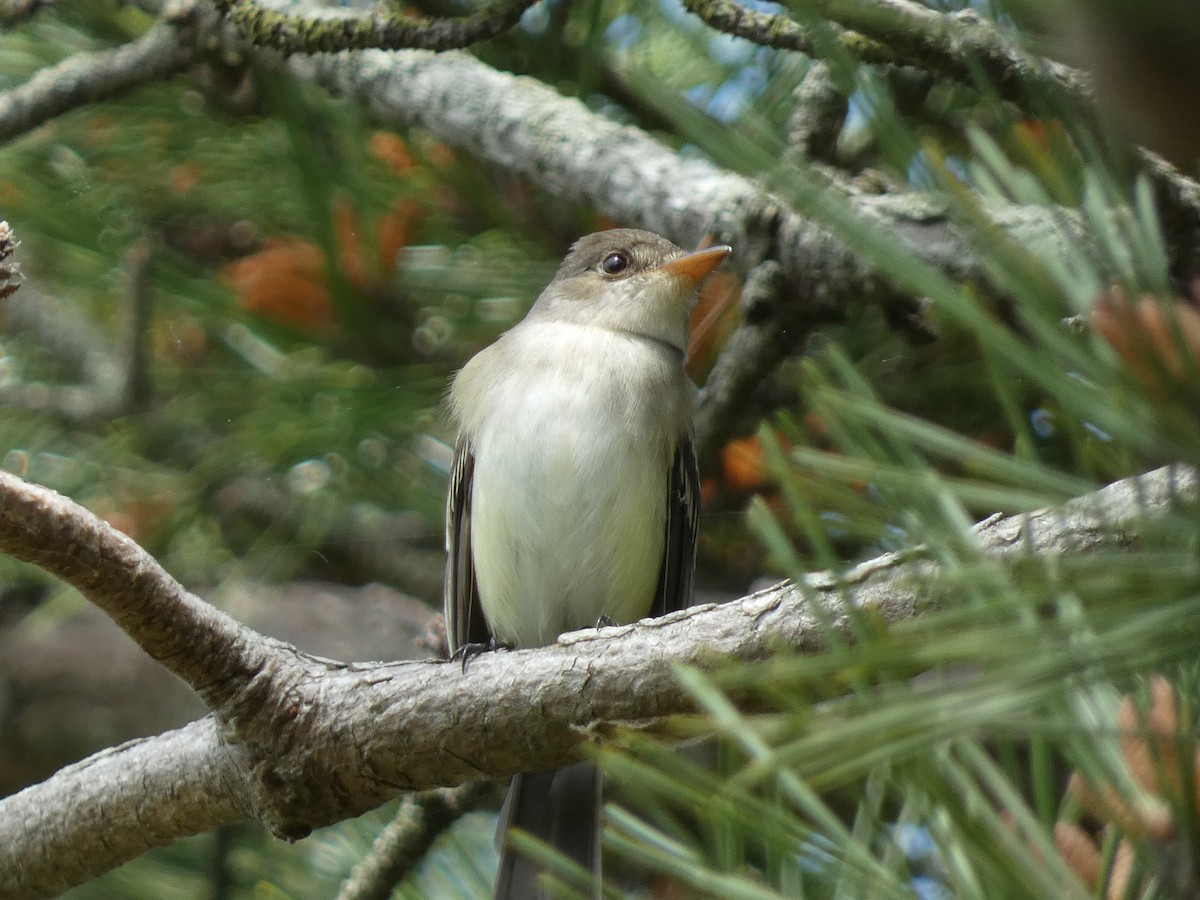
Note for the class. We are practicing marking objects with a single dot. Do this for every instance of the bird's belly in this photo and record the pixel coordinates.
(567, 521)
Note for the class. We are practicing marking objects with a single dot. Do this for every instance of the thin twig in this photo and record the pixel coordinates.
(901, 32)
(136, 307)
(403, 841)
(779, 31)
(10, 272)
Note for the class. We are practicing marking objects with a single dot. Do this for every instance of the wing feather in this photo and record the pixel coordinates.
(460, 599)
(679, 548)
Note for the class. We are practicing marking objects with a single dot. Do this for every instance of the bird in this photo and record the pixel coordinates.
(574, 495)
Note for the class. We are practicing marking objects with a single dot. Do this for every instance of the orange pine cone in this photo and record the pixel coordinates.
(1158, 340)
(391, 150)
(285, 282)
(742, 464)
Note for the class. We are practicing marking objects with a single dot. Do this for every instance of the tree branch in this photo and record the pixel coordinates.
(116, 381)
(115, 805)
(906, 33)
(779, 31)
(10, 272)
(200, 644)
(304, 742)
(953, 42)
(525, 127)
(326, 33)
(83, 685)
(168, 47)
(961, 45)
(575, 155)
(68, 337)
(403, 841)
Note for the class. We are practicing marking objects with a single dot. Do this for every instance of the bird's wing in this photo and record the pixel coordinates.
(460, 599)
(679, 548)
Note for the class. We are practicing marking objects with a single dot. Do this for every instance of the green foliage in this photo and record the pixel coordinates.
(929, 758)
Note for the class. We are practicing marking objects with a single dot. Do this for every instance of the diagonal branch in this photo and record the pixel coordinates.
(168, 47)
(199, 643)
(403, 842)
(957, 44)
(780, 31)
(563, 148)
(575, 155)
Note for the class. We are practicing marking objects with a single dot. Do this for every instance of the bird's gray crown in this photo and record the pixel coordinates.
(641, 249)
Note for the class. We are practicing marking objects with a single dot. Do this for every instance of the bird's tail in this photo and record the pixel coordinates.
(560, 807)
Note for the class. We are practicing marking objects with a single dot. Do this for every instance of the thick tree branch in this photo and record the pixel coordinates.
(304, 742)
(575, 155)
(526, 127)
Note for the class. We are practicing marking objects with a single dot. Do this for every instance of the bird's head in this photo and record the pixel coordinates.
(628, 280)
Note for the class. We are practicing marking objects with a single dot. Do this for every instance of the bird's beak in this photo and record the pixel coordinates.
(692, 268)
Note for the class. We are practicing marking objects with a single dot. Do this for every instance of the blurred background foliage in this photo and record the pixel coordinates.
(314, 280)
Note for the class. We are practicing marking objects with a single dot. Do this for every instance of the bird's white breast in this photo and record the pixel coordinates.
(573, 451)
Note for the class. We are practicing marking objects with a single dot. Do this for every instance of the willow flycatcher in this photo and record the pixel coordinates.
(574, 492)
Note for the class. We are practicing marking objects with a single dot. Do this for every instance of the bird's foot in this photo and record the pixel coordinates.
(605, 621)
(467, 652)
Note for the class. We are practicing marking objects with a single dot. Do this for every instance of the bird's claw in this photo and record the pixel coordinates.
(466, 652)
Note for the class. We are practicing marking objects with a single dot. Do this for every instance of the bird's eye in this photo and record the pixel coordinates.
(614, 264)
